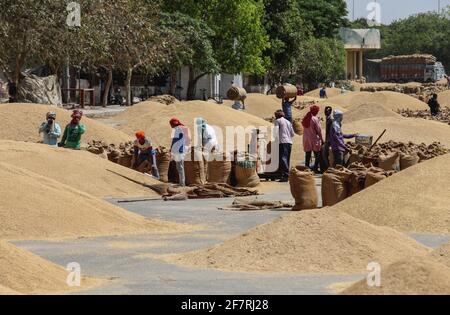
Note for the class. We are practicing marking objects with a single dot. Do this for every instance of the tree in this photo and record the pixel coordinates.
(286, 30)
(239, 37)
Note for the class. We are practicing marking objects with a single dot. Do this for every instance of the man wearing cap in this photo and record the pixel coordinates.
(50, 129)
(73, 132)
(143, 151)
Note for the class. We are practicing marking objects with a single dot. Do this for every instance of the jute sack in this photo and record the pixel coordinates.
(219, 169)
(286, 90)
(373, 177)
(194, 169)
(298, 127)
(354, 157)
(303, 188)
(236, 94)
(357, 179)
(246, 175)
(163, 164)
(389, 162)
(408, 160)
(335, 183)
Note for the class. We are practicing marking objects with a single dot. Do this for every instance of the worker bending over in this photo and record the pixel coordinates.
(337, 138)
(143, 152)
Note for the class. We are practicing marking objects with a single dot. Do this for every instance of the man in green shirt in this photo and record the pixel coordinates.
(73, 132)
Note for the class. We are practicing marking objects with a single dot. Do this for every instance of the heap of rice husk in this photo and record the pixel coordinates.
(38, 207)
(401, 129)
(390, 100)
(21, 122)
(315, 241)
(331, 92)
(24, 273)
(442, 254)
(414, 200)
(409, 276)
(79, 169)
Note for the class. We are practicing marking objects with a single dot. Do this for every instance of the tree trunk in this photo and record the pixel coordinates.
(173, 82)
(107, 87)
(128, 86)
(193, 83)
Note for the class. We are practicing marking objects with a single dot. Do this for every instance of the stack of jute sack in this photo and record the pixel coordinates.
(444, 115)
(394, 155)
(340, 183)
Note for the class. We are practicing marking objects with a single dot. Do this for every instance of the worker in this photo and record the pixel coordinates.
(143, 152)
(323, 92)
(337, 141)
(434, 105)
(179, 147)
(50, 129)
(287, 107)
(312, 137)
(285, 135)
(326, 145)
(239, 104)
(300, 91)
(12, 91)
(207, 135)
(72, 133)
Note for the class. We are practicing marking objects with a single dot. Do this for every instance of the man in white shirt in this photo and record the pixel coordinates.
(285, 135)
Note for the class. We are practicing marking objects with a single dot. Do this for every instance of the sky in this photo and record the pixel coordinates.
(394, 9)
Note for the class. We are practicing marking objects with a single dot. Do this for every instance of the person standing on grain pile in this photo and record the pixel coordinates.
(208, 136)
(286, 105)
(50, 129)
(326, 145)
(323, 92)
(73, 132)
(143, 151)
(312, 138)
(434, 105)
(179, 148)
(285, 135)
(337, 138)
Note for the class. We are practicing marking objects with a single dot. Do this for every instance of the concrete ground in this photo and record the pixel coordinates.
(132, 264)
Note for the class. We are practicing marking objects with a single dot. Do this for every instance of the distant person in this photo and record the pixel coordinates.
(286, 105)
(337, 141)
(73, 132)
(179, 147)
(312, 137)
(12, 91)
(50, 129)
(208, 136)
(285, 135)
(143, 151)
(434, 105)
(326, 146)
(238, 105)
(300, 91)
(323, 92)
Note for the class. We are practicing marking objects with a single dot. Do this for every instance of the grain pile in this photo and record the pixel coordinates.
(37, 207)
(390, 100)
(138, 110)
(414, 200)
(368, 110)
(79, 169)
(315, 241)
(444, 115)
(331, 92)
(24, 273)
(444, 98)
(442, 254)
(411, 276)
(164, 99)
(401, 129)
(20, 122)
(420, 91)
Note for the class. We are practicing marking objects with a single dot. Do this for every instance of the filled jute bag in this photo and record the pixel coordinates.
(298, 127)
(303, 188)
(389, 162)
(219, 169)
(408, 160)
(335, 185)
(194, 168)
(246, 174)
(163, 164)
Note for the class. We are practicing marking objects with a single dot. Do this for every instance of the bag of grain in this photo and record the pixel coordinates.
(303, 188)
(163, 163)
(219, 169)
(389, 162)
(194, 168)
(335, 183)
(298, 127)
(236, 94)
(408, 160)
(375, 175)
(286, 91)
(125, 159)
(357, 179)
(245, 174)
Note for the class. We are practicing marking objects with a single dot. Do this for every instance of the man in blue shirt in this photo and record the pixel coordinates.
(50, 129)
(323, 92)
(287, 108)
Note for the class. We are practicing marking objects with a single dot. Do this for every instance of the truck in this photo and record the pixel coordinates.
(407, 68)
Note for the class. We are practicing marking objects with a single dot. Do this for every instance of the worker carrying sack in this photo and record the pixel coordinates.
(236, 94)
(219, 169)
(246, 174)
(163, 163)
(194, 168)
(303, 188)
(286, 91)
(335, 185)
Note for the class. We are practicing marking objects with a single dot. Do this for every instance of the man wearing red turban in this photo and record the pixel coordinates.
(312, 137)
